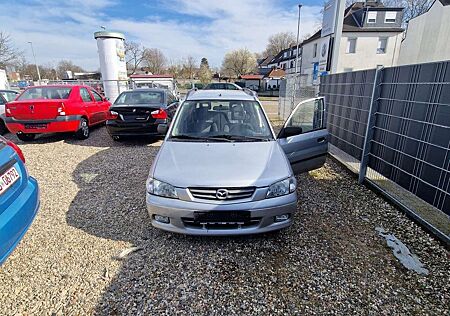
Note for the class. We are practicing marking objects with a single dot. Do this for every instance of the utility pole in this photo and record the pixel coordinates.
(296, 75)
(37, 68)
(338, 24)
(298, 40)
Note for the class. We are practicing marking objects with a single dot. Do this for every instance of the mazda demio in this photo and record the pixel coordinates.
(222, 171)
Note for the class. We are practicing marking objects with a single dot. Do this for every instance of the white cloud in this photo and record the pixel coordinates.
(65, 30)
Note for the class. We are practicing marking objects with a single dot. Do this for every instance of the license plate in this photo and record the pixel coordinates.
(8, 179)
(222, 217)
(36, 126)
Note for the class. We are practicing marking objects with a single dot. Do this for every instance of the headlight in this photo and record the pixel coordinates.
(282, 187)
(160, 188)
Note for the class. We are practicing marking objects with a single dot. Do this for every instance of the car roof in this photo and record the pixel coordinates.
(220, 95)
(148, 89)
(6, 90)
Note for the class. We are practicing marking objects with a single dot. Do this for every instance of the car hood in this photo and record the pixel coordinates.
(191, 164)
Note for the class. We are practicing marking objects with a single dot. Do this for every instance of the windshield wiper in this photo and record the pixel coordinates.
(241, 137)
(190, 137)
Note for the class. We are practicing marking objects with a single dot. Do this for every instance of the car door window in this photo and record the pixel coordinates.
(97, 96)
(85, 96)
(309, 116)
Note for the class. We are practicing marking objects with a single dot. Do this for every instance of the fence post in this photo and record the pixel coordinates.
(370, 124)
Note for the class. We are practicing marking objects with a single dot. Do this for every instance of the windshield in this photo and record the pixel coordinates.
(140, 97)
(9, 96)
(229, 120)
(51, 93)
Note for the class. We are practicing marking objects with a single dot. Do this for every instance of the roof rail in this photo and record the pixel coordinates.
(190, 92)
(250, 92)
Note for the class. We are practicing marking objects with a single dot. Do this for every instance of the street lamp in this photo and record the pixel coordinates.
(37, 68)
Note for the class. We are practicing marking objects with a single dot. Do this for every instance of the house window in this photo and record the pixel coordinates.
(292, 64)
(382, 44)
(391, 17)
(315, 51)
(351, 46)
(372, 17)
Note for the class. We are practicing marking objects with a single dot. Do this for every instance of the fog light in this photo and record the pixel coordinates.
(282, 218)
(162, 219)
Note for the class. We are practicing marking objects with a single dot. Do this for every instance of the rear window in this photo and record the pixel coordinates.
(140, 97)
(50, 93)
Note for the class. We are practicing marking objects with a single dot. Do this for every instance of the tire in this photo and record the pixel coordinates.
(25, 137)
(83, 130)
(3, 129)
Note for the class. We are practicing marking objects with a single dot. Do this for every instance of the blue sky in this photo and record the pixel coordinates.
(200, 28)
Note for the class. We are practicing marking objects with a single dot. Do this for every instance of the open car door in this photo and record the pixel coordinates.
(304, 137)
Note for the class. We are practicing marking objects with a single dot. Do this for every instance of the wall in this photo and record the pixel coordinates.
(3, 80)
(366, 56)
(427, 37)
(308, 60)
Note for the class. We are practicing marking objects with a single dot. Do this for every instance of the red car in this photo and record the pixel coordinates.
(54, 109)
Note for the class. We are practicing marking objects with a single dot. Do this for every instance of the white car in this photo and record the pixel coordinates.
(5, 97)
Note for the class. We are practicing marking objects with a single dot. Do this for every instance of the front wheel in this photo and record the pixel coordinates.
(25, 137)
(83, 130)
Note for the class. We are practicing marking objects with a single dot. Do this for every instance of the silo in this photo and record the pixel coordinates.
(111, 53)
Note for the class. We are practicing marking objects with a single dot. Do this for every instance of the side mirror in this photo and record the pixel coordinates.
(290, 131)
(162, 128)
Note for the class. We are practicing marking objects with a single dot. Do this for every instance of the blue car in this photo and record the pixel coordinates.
(19, 198)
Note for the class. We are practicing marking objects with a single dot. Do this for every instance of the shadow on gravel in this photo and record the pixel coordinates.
(96, 134)
(330, 259)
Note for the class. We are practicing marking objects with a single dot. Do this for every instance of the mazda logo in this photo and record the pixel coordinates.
(222, 194)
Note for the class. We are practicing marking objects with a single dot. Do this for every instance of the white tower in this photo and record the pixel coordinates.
(111, 53)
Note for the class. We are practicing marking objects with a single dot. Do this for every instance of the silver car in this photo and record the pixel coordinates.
(222, 171)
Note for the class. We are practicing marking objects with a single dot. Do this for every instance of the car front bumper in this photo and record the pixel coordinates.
(17, 218)
(262, 215)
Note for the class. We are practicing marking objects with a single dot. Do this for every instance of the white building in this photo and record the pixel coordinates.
(427, 37)
(371, 36)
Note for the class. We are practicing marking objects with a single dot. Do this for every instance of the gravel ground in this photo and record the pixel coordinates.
(331, 261)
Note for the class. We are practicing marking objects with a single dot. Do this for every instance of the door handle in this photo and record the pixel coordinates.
(321, 140)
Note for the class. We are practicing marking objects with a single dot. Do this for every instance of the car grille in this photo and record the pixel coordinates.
(232, 193)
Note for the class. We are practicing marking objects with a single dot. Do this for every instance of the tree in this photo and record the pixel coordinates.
(154, 60)
(204, 62)
(278, 42)
(189, 68)
(239, 62)
(133, 56)
(174, 69)
(8, 53)
(204, 73)
(66, 65)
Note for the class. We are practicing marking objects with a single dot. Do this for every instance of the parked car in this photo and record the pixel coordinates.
(222, 171)
(139, 112)
(55, 109)
(9, 95)
(19, 198)
(222, 86)
(5, 97)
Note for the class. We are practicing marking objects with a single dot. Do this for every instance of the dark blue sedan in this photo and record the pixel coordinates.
(19, 198)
